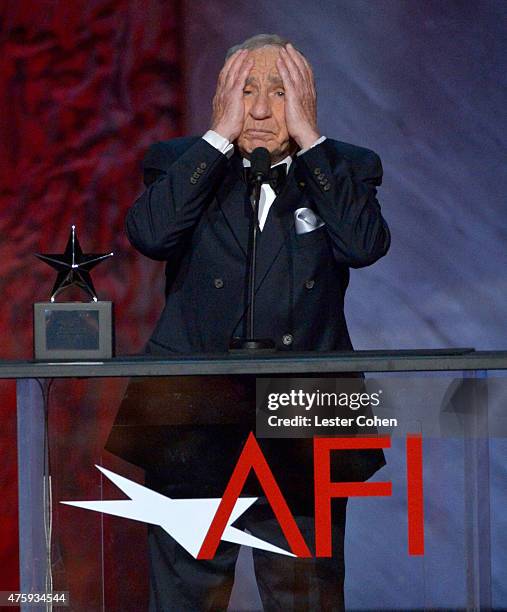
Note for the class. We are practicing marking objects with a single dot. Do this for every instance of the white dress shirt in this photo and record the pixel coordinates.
(268, 194)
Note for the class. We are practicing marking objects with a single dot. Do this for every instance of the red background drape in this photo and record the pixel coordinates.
(85, 87)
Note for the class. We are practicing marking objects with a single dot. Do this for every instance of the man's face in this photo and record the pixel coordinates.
(264, 98)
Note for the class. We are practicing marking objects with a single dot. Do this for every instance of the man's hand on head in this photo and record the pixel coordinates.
(228, 107)
(300, 97)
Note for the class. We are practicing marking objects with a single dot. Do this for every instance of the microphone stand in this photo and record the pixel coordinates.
(250, 343)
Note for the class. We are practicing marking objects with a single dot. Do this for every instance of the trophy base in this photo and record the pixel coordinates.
(73, 330)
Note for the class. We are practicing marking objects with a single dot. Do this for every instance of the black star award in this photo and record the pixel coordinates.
(73, 330)
(73, 266)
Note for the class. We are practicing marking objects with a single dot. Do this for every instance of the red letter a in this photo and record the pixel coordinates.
(252, 458)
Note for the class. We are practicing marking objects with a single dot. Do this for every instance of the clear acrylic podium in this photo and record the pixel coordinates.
(456, 401)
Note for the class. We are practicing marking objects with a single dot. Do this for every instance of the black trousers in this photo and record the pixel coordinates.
(178, 582)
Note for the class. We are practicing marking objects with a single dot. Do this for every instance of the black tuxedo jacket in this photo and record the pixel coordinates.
(195, 215)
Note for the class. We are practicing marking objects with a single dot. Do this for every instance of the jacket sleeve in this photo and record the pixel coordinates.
(344, 193)
(178, 189)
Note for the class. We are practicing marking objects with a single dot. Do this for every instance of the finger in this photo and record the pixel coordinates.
(222, 77)
(230, 64)
(305, 69)
(289, 78)
(225, 67)
(296, 57)
(243, 70)
(292, 67)
(243, 73)
(306, 63)
(288, 83)
(236, 68)
(304, 80)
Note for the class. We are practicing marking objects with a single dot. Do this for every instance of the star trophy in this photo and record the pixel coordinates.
(73, 330)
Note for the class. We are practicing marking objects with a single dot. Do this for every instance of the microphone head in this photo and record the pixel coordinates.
(260, 159)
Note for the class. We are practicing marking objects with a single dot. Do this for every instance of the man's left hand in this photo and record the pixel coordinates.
(300, 97)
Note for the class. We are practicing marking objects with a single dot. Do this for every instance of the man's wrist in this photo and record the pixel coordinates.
(215, 139)
(314, 144)
(306, 140)
(223, 131)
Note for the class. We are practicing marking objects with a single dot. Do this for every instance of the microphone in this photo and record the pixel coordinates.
(260, 159)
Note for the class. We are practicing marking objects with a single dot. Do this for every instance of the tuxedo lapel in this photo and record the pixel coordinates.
(278, 227)
(234, 203)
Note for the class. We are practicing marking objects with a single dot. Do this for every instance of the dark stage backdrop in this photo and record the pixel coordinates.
(85, 87)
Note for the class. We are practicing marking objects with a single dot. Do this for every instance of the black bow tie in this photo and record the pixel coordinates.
(276, 179)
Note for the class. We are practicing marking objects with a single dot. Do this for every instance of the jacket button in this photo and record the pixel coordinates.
(196, 175)
(203, 165)
(199, 170)
(193, 180)
(317, 171)
(326, 187)
(310, 283)
(218, 282)
(287, 339)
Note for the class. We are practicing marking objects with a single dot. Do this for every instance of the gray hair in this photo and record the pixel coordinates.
(258, 41)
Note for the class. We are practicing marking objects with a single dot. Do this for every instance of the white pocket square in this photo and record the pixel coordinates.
(307, 221)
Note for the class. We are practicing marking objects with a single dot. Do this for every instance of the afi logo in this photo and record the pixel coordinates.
(213, 518)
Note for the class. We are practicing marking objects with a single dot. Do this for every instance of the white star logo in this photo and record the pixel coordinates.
(185, 520)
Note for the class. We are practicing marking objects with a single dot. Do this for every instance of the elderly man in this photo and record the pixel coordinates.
(318, 216)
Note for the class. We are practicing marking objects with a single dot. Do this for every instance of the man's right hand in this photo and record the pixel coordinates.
(228, 106)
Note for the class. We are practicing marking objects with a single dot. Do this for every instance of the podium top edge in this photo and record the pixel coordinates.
(289, 363)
